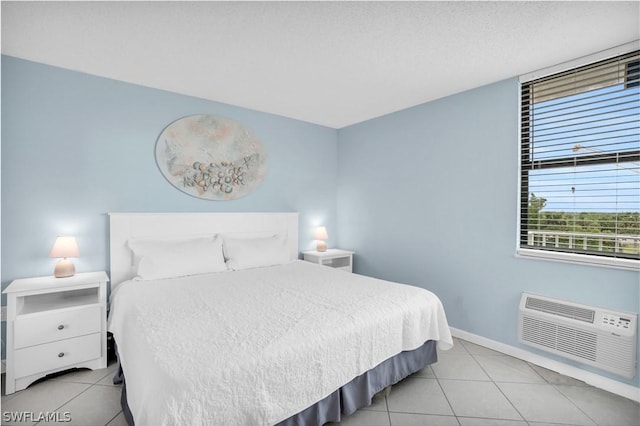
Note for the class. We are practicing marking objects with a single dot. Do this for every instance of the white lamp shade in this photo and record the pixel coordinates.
(320, 233)
(65, 247)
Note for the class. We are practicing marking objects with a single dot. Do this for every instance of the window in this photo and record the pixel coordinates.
(580, 164)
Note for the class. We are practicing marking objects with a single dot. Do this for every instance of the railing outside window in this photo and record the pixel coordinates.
(619, 243)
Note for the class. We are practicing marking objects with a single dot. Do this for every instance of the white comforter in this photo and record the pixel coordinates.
(254, 347)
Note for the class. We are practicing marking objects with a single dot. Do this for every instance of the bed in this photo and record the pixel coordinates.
(216, 321)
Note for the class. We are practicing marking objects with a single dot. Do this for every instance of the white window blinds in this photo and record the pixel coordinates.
(580, 160)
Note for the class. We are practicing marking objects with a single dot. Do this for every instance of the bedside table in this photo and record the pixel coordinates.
(335, 258)
(54, 324)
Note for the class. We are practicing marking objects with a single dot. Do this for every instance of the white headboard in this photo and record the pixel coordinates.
(124, 226)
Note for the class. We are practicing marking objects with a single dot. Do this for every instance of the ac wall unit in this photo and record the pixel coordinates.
(603, 338)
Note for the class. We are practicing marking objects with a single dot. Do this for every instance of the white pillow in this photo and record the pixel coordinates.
(156, 259)
(245, 253)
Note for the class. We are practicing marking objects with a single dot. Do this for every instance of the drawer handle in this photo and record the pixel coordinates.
(61, 354)
(60, 327)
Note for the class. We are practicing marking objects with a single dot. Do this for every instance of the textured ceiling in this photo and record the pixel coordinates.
(330, 63)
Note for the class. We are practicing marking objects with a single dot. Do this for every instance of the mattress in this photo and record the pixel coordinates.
(257, 346)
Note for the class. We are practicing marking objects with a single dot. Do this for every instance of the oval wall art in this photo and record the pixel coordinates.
(211, 157)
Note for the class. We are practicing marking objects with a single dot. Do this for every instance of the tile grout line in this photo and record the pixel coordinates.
(72, 398)
(424, 414)
(386, 404)
(113, 418)
(550, 384)
(575, 405)
(444, 393)
(447, 398)
(500, 390)
(91, 385)
(546, 382)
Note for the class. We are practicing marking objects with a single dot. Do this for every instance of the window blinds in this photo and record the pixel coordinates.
(580, 160)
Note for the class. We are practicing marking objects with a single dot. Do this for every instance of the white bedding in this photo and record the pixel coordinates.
(256, 346)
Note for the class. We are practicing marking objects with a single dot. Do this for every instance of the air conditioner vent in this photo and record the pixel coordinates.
(562, 339)
(578, 343)
(561, 309)
(602, 338)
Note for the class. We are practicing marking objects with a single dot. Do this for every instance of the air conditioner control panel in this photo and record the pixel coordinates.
(616, 323)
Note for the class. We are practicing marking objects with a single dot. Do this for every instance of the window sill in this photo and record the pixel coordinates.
(579, 259)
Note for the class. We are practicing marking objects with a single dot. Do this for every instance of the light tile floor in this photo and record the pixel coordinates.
(469, 386)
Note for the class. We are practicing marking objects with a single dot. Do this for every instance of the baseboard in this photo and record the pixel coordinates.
(610, 385)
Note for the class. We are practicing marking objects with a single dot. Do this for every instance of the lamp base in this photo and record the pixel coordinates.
(64, 268)
(321, 246)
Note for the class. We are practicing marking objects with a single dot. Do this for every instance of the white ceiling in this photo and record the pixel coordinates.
(330, 63)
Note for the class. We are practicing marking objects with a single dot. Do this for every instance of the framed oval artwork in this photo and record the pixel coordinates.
(211, 157)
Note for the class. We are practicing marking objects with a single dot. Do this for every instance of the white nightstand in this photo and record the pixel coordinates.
(54, 324)
(336, 258)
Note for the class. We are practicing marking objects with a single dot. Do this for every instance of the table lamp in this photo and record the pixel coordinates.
(65, 247)
(320, 234)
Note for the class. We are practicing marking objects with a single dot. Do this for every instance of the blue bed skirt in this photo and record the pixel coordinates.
(354, 395)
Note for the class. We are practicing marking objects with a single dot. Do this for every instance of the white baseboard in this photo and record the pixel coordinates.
(610, 385)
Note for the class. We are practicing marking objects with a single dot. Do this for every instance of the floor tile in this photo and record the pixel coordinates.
(98, 405)
(543, 403)
(478, 399)
(378, 403)
(603, 407)
(508, 369)
(474, 349)
(556, 378)
(108, 379)
(45, 396)
(476, 421)
(82, 375)
(459, 367)
(365, 418)
(118, 420)
(6, 398)
(548, 424)
(426, 372)
(405, 419)
(420, 396)
(458, 348)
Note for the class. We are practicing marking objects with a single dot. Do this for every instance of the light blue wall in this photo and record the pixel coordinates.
(76, 146)
(428, 196)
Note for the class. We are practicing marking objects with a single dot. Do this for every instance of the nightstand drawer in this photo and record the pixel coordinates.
(56, 325)
(56, 355)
